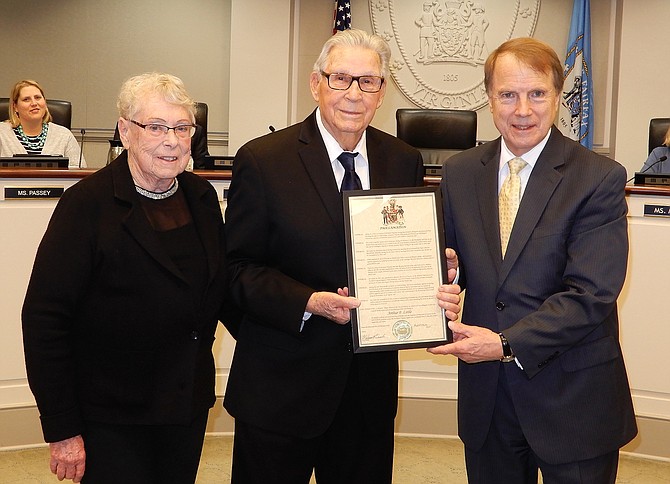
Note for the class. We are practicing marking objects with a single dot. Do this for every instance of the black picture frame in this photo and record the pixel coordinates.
(418, 322)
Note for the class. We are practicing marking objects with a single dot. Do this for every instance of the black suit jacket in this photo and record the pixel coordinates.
(285, 232)
(554, 297)
(112, 331)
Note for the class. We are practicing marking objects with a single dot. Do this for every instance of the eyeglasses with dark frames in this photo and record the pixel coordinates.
(154, 129)
(342, 82)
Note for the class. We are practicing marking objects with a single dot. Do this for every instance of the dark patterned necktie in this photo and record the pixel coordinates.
(351, 180)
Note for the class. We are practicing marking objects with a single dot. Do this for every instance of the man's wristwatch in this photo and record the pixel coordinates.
(507, 350)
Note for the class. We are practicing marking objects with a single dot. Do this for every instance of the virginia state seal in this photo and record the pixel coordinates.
(438, 48)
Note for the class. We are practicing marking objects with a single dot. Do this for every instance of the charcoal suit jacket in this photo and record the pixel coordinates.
(554, 296)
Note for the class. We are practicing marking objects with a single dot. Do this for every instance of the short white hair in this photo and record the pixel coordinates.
(355, 38)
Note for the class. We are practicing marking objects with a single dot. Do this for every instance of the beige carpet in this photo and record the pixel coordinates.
(417, 461)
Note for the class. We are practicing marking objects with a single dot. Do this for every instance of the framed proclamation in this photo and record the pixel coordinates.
(396, 262)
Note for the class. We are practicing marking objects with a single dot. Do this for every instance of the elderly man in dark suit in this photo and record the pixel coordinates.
(542, 381)
(302, 400)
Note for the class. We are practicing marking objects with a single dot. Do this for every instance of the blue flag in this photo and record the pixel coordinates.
(576, 111)
(342, 15)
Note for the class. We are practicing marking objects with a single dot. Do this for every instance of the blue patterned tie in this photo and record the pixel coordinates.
(351, 180)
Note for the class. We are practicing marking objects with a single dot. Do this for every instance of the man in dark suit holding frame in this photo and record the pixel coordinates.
(302, 400)
(542, 381)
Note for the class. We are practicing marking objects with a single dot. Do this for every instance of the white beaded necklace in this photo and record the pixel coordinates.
(158, 195)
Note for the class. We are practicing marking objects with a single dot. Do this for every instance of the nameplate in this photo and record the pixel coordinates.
(662, 179)
(216, 162)
(14, 193)
(657, 210)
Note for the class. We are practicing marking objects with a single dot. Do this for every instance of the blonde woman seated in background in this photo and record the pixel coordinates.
(29, 129)
(658, 161)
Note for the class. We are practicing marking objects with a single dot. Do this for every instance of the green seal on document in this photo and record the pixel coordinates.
(402, 330)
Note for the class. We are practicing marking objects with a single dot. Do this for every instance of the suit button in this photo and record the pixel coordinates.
(195, 335)
(500, 305)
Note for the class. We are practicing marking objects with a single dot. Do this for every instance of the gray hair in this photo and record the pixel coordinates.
(355, 38)
(168, 87)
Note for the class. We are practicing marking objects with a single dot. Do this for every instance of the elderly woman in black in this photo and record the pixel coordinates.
(123, 302)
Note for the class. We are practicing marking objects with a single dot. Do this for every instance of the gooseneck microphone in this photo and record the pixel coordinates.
(81, 151)
(660, 160)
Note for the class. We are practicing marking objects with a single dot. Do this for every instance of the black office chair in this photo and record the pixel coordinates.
(201, 115)
(658, 127)
(437, 133)
(199, 148)
(61, 111)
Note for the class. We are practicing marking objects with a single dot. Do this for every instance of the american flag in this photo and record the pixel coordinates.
(342, 15)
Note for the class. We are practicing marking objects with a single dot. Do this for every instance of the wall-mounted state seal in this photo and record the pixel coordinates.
(438, 48)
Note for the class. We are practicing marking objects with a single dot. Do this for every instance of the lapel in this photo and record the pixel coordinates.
(314, 158)
(486, 186)
(541, 186)
(206, 218)
(378, 159)
(138, 225)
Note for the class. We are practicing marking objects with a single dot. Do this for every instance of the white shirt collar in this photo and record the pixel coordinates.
(333, 147)
(529, 157)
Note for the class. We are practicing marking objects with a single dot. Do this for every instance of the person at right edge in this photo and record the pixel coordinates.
(541, 379)
(659, 158)
(301, 399)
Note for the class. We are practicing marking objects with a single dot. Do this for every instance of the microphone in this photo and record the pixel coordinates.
(81, 151)
(271, 128)
(660, 160)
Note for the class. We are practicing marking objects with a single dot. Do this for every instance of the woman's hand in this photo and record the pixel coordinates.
(68, 458)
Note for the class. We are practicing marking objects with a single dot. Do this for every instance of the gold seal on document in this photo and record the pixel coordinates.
(402, 330)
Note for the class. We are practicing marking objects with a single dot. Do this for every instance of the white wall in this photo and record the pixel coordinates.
(260, 69)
